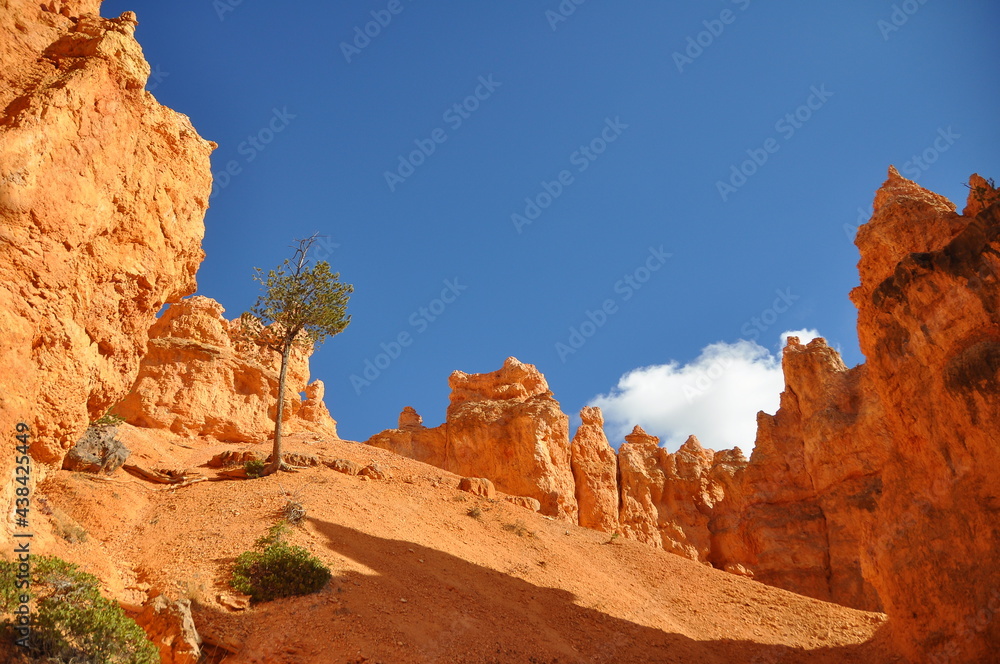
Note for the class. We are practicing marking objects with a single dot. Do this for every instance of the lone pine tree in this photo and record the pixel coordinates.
(302, 304)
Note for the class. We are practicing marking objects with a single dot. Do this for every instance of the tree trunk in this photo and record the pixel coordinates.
(276, 453)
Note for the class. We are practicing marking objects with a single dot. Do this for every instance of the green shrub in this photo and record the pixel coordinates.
(276, 569)
(71, 622)
(107, 420)
(254, 468)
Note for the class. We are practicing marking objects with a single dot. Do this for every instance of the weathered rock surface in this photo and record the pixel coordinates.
(198, 380)
(102, 198)
(103, 194)
(595, 472)
(929, 325)
(795, 514)
(667, 499)
(99, 451)
(504, 426)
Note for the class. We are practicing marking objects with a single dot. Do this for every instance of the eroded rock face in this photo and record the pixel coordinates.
(667, 499)
(198, 380)
(595, 471)
(796, 513)
(504, 426)
(171, 628)
(929, 324)
(102, 199)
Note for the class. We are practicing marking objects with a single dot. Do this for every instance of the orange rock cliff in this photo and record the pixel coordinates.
(103, 193)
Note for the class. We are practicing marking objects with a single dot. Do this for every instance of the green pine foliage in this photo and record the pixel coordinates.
(301, 303)
(276, 569)
(72, 622)
(254, 468)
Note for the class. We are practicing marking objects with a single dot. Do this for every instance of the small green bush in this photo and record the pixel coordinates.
(278, 569)
(107, 420)
(72, 623)
(254, 468)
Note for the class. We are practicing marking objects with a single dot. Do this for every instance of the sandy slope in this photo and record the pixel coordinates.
(416, 579)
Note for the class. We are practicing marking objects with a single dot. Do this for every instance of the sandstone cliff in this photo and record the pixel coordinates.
(795, 514)
(504, 426)
(102, 198)
(929, 325)
(197, 380)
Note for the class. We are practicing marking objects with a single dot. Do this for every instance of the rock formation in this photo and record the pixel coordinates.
(198, 380)
(504, 426)
(929, 325)
(595, 471)
(667, 499)
(795, 514)
(102, 199)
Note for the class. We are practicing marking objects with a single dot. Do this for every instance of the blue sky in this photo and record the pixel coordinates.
(623, 123)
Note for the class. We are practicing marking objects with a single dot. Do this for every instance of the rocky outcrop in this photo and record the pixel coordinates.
(171, 628)
(795, 514)
(874, 487)
(504, 426)
(102, 198)
(198, 379)
(929, 325)
(667, 499)
(103, 194)
(595, 471)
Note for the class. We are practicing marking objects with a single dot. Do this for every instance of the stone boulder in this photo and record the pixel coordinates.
(478, 486)
(99, 451)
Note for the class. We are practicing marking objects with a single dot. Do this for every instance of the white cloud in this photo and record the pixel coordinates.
(715, 397)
